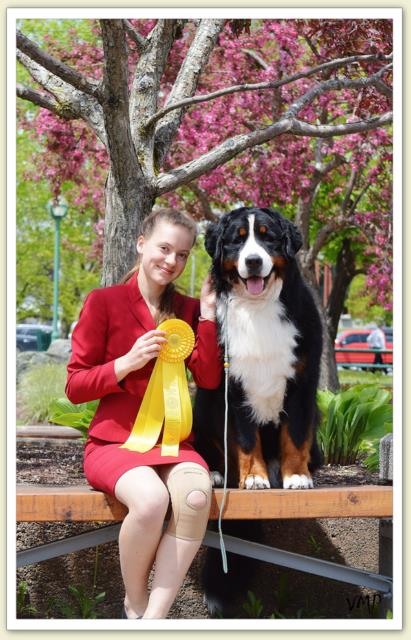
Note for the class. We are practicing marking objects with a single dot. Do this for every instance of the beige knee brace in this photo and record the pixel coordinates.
(190, 490)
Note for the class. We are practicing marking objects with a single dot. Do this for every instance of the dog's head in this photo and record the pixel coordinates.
(251, 248)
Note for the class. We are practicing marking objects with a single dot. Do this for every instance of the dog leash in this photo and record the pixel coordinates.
(222, 505)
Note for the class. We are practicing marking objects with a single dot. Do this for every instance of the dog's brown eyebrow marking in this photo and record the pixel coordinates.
(229, 265)
(263, 229)
(242, 231)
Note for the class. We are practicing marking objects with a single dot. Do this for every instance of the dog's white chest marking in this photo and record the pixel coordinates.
(261, 349)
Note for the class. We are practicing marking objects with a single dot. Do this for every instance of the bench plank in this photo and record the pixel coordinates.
(42, 503)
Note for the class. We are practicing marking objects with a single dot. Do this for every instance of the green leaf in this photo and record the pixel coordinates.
(65, 413)
(253, 606)
(372, 462)
(378, 420)
(100, 597)
(324, 398)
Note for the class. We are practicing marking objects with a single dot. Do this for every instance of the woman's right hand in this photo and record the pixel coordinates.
(145, 348)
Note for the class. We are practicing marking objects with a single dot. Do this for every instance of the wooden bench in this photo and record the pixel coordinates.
(81, 503)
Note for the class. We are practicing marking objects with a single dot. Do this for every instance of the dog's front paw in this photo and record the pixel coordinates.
(297, 482)
(217, 480)
(254, 482)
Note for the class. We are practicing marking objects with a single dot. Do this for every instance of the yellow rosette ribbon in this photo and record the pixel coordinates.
(166, 399)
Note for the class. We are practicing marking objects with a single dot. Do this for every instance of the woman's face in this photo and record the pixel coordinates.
(163, 255)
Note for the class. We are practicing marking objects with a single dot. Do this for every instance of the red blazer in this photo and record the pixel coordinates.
(110, 322)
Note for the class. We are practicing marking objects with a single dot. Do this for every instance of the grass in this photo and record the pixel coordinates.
(349, 378)
(38, 387)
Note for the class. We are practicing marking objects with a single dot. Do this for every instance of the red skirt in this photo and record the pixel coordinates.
(105, 462)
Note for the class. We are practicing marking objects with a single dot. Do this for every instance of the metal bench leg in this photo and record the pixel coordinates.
(68, 545)
(290, 560)
(385, 560)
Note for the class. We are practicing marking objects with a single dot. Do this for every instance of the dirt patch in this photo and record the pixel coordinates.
(292, 593)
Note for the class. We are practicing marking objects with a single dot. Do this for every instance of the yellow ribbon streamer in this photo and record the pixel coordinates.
(166, 399)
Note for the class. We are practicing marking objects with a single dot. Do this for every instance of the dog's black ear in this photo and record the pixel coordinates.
(211, 237)
(292, 238)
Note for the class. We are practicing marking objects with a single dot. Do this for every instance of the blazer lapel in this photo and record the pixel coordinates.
(138, 305)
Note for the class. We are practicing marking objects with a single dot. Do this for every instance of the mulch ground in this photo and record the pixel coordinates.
(58, 462)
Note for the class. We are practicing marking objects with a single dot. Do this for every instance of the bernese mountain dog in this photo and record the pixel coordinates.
(268, 317)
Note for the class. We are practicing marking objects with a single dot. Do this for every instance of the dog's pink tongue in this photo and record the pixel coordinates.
(255, 285)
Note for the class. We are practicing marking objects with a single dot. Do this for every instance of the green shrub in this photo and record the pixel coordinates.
(353, 422)
(38, 387)
(79, 416)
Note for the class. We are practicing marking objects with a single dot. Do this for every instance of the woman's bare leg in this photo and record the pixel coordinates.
(173, 559)
(146, 497)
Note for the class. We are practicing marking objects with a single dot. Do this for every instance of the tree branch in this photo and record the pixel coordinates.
(261, 85)
(44, 101)
(146, 86)
(333, 85)
(69, 99)
(115, 84)
(124, 164)
(312, 47)
(205, 204)
(322, 236)
(359, 197)
(235, 145)
(186, 83)
(336, 162)
(300, 128)
(383, 88)
(136, 37)
(349, 190)
(276, 96)
(58, 68)
(302, 217)
(257, 58)
(218, 156)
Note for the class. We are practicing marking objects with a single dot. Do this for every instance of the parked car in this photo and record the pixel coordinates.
(33, 337)
(357, 339)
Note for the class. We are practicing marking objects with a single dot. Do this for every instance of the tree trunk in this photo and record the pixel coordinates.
(126, 208)
(344, 273)
(328, 373)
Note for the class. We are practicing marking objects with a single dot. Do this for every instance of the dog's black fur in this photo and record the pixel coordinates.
(269, 237)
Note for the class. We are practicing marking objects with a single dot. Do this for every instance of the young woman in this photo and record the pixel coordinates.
(114, 347)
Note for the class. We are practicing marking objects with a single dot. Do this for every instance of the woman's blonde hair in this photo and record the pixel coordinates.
(172, 216)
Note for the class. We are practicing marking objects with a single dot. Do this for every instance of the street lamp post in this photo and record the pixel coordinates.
(57, 208)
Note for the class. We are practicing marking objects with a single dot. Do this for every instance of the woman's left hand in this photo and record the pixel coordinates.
(208, 299)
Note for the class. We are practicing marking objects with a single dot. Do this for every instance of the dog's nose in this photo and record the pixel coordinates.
(254, 263)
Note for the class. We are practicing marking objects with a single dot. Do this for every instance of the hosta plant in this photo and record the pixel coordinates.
(78, 416)
(353, 422)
